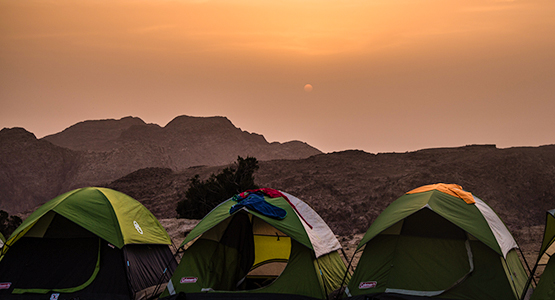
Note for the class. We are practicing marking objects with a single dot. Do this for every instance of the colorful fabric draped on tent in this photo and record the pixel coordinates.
(90, 243)
(546, 286)
(438, 242)
(275, 248)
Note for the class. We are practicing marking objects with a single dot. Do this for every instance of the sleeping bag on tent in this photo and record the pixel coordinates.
(90, 243)
(261, 244)
(438, 242)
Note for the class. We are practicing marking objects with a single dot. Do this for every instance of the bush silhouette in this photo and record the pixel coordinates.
(203, 196)
(8, 224)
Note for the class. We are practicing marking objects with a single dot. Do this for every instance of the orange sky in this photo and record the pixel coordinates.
(387, 75)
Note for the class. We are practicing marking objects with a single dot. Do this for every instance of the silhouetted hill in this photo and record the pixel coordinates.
(350, 189)
(96, 152)
(182, 143)
(32, 171)
(94, 135)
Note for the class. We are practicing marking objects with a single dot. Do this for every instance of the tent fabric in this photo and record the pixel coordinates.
(148, 264)
(546, 286)
(500, 231)
(451, 189)
(545, 290)
(549, 231)
(235, 296)
(57, 265)
(285, 254)
(45, 275)
(52, 254)
(478, 220)
(320, 238)
(111, 215)
(433, 244)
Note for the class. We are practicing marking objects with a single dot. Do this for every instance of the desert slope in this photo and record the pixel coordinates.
(96, 152)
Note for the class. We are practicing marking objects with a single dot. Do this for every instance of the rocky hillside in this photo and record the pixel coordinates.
(33, 171)
(182, 143)
(350, 189)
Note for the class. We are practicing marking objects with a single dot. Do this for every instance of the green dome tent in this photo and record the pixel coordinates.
(546, 286)
(248, 254)
(438, 242)
(89, 243)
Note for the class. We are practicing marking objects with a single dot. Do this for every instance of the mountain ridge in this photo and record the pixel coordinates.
(350, 188)
(96, 152)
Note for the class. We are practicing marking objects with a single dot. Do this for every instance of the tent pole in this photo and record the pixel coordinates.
(529, 281)
(345, 255)
(159, 284)
(338, 295)
(526, 262)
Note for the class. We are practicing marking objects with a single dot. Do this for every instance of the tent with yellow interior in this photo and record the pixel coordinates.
(278, 248)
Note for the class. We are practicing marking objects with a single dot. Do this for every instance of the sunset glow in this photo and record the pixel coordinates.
(482, 71)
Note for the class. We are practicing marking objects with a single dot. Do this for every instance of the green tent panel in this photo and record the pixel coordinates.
(293, 257)
(291, 225)
(549, 231)
(545, 290)
(89, 243)
(111, 215)
(432, 242)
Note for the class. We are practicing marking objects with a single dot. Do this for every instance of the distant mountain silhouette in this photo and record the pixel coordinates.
(350, 189)
(185, 141)
(33, 171)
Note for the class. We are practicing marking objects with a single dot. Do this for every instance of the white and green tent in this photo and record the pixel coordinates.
(545, 290)
(246, 254)
(89, 243)
(2, 240)
(438, 242)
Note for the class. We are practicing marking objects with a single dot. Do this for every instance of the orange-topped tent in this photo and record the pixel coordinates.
(438, 242)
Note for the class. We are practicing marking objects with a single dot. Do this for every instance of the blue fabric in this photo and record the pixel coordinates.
(256, 202)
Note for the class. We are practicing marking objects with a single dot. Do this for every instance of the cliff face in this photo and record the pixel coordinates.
(95, 135)
(98, 152)
(32, 171)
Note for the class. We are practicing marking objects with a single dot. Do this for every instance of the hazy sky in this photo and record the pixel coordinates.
(387, 75)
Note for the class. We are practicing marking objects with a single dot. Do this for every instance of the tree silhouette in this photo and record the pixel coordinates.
(8, 224)
(203, 196)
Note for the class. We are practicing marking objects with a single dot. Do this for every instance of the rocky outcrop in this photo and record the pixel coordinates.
(114, 148)
(98, 152)
(95, 135)
(32, 171)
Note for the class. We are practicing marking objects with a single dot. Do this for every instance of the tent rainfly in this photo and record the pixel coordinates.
(545, 290)
(89, 243)
(438, 242)
(260, 244)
